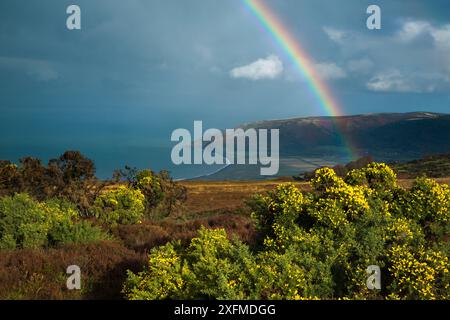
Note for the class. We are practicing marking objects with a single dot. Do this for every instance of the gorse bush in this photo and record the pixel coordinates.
(24, 223)
(340, 170)
(317, 245)
(428, 201)
(151, 186)
(211, 267)
(162, 194)
(418, 274)
(122, 205)
(27, 223)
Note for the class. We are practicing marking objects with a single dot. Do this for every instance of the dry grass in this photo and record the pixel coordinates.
(407, 183)
(204, 196)
(41, 274)
(143, 237)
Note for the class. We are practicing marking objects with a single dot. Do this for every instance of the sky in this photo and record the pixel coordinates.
(139, 69)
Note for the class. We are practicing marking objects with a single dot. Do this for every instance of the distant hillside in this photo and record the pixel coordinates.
(434, 166)
(385, 136)
(312, 142)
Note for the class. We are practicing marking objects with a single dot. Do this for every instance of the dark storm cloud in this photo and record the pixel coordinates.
(147, 67)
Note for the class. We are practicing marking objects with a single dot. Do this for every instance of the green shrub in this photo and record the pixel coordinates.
(27, 223)
(162, 194)
(69, 228)
(211, 267)
(151, 186)
(81, 232)
(122, 205)
(317, 245)
(380, 176)
(428, 201)
(418, 274)
(24, 222)
(163, 278)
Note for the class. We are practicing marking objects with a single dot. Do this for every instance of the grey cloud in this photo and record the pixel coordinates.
(396, 81)
(414, 58)
(37, 69)
(361, 66)
(330, 71)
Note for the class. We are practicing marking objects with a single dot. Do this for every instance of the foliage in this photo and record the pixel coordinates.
(41, 274)
(419, 274)
(70, 176)
(121, 205)
(162, 194)
(81, 232)
(211, 267)
(428, 201)
(149, 234)
(150, 185)
(27, 223)
(24, 223)
(340, 170)
(317, 245)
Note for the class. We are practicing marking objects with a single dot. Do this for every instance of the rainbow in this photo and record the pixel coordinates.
(301, 60)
